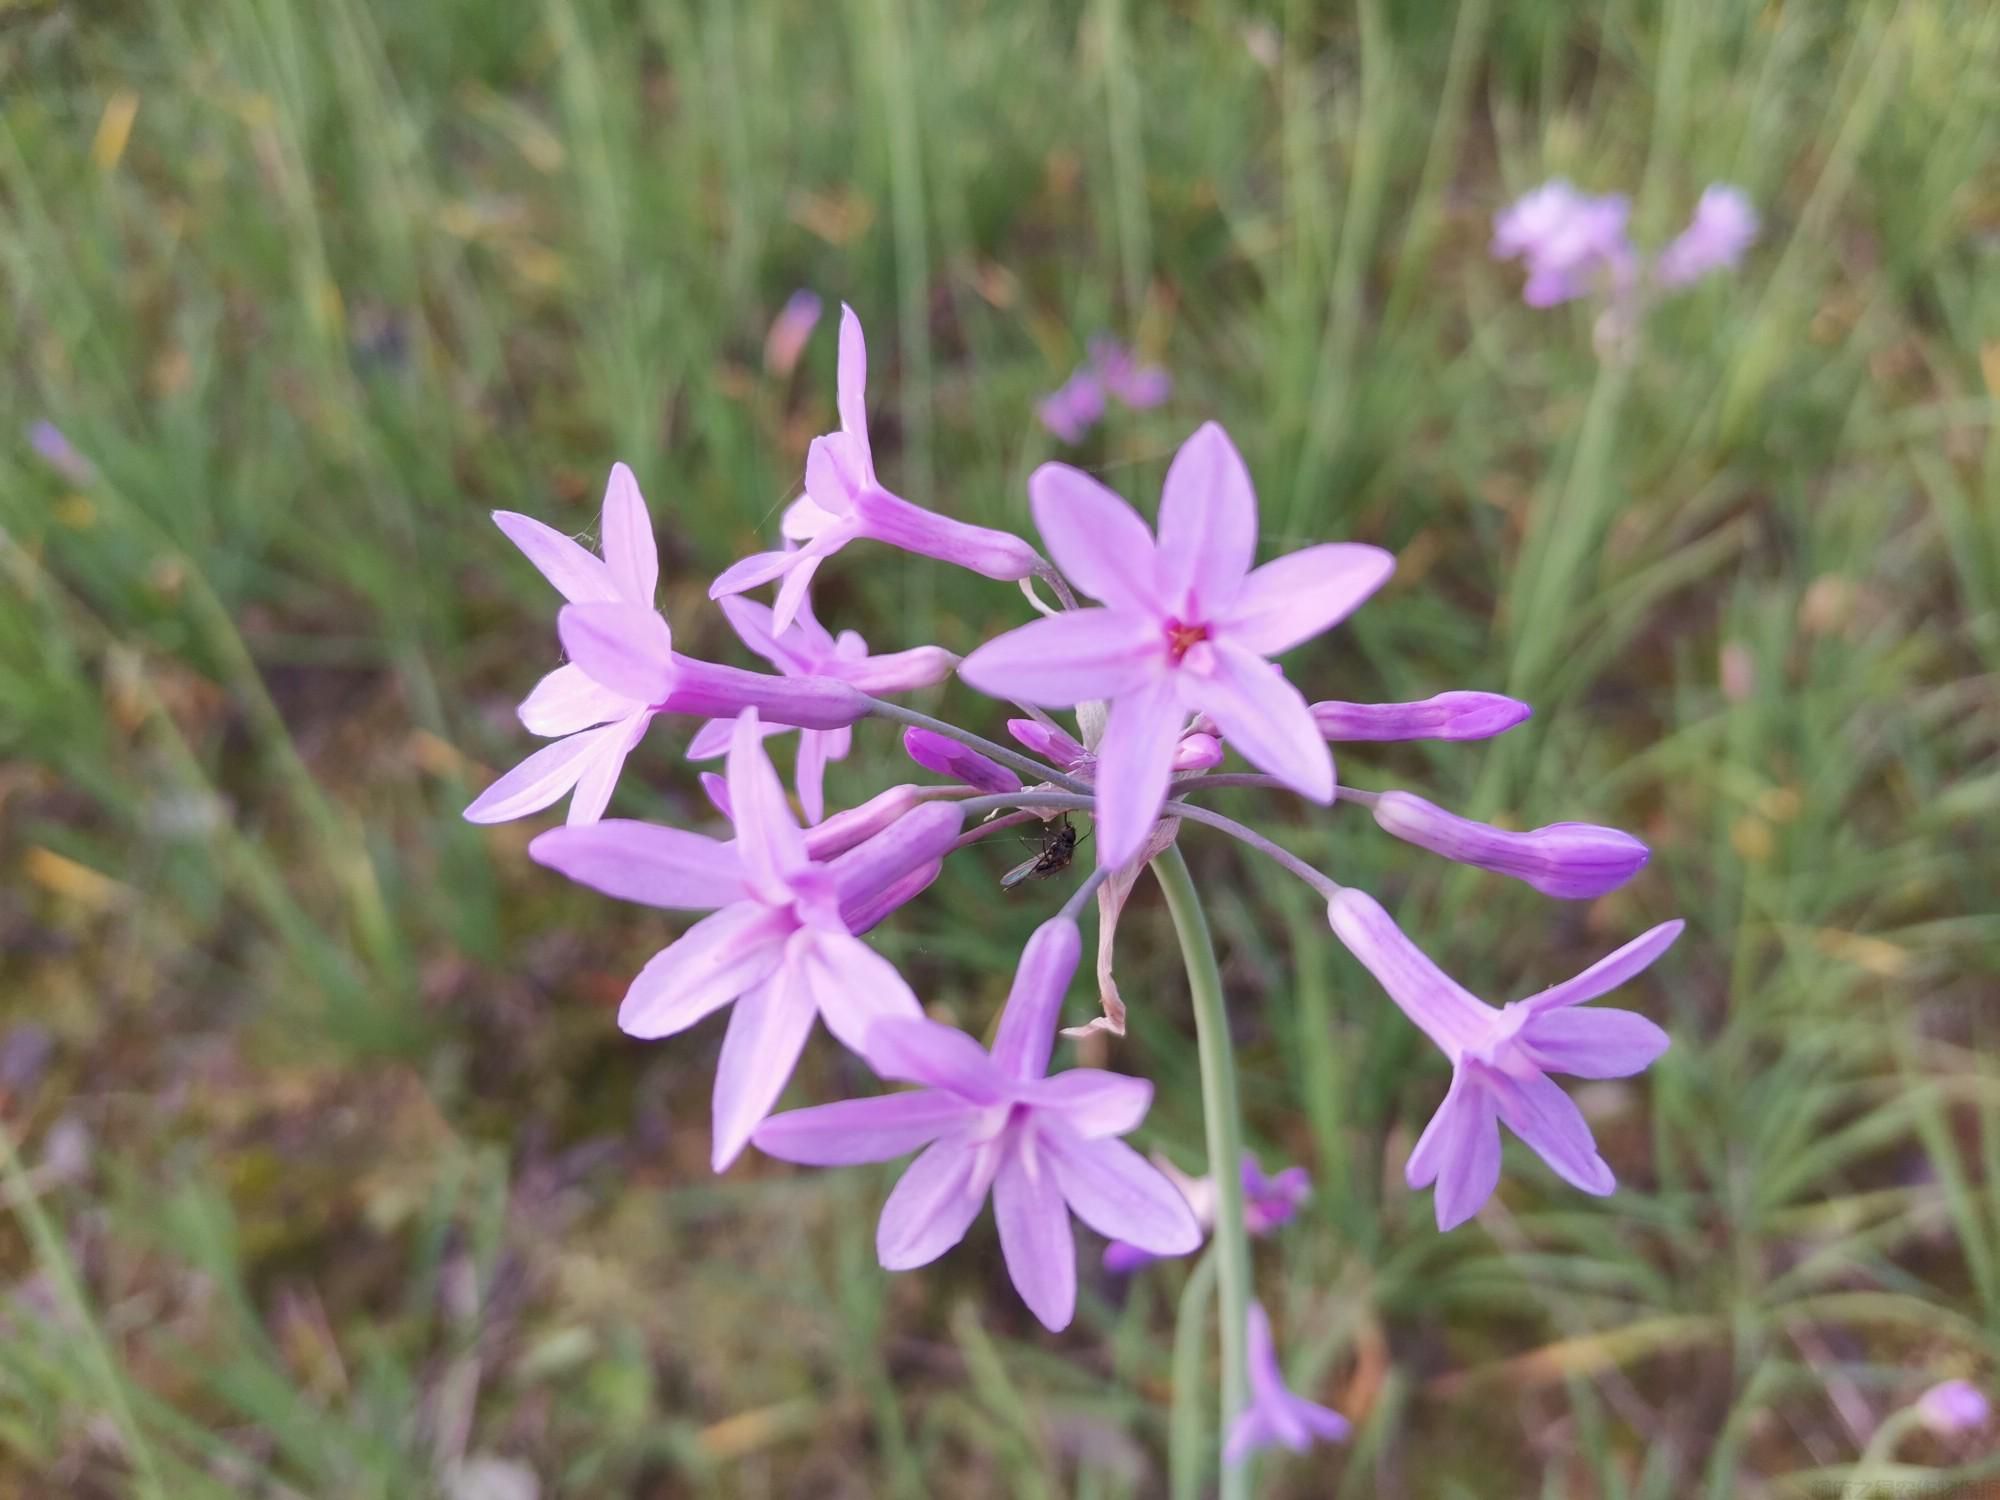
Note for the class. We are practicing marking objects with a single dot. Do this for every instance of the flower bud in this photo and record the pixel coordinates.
(1571, 861)
(710, 690)
(868, 910)
(947, 757)
(1051, 744)
(1448, 716)
(919, 838)
(1954, 1407)
(1197, 752)
(836, 835)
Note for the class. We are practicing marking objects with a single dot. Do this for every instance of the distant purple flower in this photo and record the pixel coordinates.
(623, 668)
(1501, 1057)
(1074, 407)
(1186, 628)
(962, 763)
(1570, 861)
(1269, 1203)
(1448, 716)
(56, 450)
(1571, 242)
(1112, 370)
(807, 649)
(1138, 385)
(1723, 228)
(789, 332)
(845, 501)
(1275, 1416)
(1045, 1147)
(1954, 1407)
(778, 942)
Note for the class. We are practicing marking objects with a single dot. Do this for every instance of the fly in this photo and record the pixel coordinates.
(1058, 848)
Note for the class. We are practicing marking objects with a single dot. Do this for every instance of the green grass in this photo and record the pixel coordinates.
(373, 1186)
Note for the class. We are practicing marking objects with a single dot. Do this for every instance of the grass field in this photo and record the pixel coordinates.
(329, 1172)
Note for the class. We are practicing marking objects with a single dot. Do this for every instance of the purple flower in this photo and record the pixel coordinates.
(1501, 1057)
(1954, 1407)
(1568, 240)
(59, 453)
(1723, 227)
(1197, 752)
(1186, 628)
(806, 649)
(947, 757)
(1274, 1415)
(1044, 1147)
(778, 941)
(1269, 1203)
(844, 501)
(1073, 409)
(1570, 861)
(1448, 716)
(623, 668)
(794, 325)
(1138, 386)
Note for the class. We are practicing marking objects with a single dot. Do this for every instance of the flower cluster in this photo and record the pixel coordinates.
(1169, 665)
(1576, 245)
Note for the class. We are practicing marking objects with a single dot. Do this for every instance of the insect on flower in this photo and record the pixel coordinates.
(1058, 849)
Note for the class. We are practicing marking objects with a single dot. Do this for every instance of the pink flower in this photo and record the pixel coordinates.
(1723, 228)
(1568, 240)
(1570, 861)
(1073, 408)
(778, 942)
(1275, 1416)
(790, 330)
(1044, 1147)
(962, 763)
(1186, 628)
(1501, 1057)
(844, 501)
(806, 650)
(1269, 1203)
(1448, 716)
(623, 669)
(1138, 386)
(1954, 1407)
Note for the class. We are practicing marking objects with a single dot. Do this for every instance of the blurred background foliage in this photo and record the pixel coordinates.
(329, 1174)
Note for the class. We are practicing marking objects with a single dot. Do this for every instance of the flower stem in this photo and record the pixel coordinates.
(1027, 765)
(1231, 1244)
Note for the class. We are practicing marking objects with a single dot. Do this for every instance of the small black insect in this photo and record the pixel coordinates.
(1058, 847)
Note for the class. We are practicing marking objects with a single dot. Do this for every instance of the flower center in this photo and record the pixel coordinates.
(1182, 638)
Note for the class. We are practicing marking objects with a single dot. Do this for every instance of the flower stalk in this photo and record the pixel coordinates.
(1224, 1131)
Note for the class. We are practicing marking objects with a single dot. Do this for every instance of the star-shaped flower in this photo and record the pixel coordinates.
(1501, 1057)
(1044, 1147)
(1275, 1416)
(1185, 628)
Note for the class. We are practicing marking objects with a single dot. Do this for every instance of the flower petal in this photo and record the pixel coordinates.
(1027, 1031)
(1540, 1113)
(1092, 1102)
(861, 1130)
(625, 647)
(851, 379)
(713, 738)
(578, 576)
(1099, 541)
(767, 1032)
(600, 778)
(1120, 1194)
(1460, 1151)
(714, 961)
(914, 1050)
(539, 780)
(1604, 1043)
(1068, 658)
(751, 572)
(569, 699)
(766, 831)
(1447, 1013)
(1134, 764)
(1208, 524)
(897, 672)
(1295, 597)
(792, 592)
(629, 549)
(856, 988)
(664, 867)
(1264, 717)
(934, 1204)
(1610, 971)
(1036, 1240)
(809, 775)
(752, 623)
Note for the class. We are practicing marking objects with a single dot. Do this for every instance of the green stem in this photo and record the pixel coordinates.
(1230, 1243)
